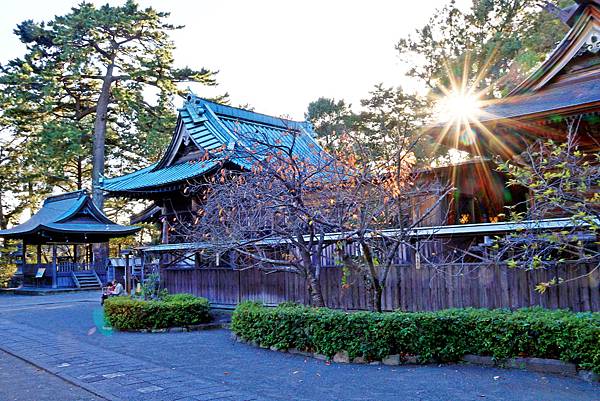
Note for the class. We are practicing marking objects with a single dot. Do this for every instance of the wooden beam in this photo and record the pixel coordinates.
(54, 266)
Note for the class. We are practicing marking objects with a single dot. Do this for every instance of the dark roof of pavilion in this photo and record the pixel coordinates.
(70, 217)
(553, 98)
(227, 135)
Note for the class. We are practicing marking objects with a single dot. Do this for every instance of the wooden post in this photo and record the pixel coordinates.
(24, 261)
(165, 226)
(54, 266)
(75, 254)
(127, 275)
(39, 255)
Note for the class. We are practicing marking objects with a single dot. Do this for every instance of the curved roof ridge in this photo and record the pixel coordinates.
(66, 195)
(253, 116)
(582, 21)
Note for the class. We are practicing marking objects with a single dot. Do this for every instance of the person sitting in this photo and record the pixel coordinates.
(107, 291)
(117, 289)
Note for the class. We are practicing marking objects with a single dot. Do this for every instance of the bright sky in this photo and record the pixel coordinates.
(274, 55)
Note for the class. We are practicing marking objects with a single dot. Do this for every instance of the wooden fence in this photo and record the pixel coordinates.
(407, 288)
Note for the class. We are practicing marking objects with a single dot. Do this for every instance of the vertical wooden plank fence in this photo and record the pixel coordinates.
(408, 288)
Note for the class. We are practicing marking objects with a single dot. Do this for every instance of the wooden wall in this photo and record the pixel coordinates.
(408, 288)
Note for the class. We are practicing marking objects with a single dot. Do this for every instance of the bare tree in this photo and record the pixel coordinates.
(563, 181)
(380, 209)
(265, 208)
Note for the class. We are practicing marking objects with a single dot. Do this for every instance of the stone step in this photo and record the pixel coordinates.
(87, 280)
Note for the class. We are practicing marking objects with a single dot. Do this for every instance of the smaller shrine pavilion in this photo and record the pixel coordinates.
(69, 222)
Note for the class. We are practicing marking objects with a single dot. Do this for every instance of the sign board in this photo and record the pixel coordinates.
(40, 272)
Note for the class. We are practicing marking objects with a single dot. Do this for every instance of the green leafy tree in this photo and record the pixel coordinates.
(331, 119)
(82, 89)
(492, 45)
(390, 124)
(563, 181)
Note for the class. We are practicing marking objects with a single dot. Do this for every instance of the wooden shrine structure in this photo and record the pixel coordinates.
(564, 87)
(67, 222)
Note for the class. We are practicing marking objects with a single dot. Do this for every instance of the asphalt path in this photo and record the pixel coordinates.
(238, 371)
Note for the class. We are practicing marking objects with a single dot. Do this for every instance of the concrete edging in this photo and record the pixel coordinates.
(183, 329)
(539, 365)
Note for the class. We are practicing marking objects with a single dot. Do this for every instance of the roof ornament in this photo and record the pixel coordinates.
(186, 138)
(309, 128)
(560, 13)
(193, 104)
(592, 44)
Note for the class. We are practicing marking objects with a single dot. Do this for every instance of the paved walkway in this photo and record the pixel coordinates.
(22, 381)
(64, 334)
(103, 372)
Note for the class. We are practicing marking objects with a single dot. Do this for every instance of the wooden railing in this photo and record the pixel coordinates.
(77, 267)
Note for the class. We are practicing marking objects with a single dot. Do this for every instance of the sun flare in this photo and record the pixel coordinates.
(458, 106)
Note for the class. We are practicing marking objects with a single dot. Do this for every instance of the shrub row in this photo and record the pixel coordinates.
(442, 336)
(124, 313)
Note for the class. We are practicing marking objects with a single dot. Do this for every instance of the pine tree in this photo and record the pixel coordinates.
(81, 92)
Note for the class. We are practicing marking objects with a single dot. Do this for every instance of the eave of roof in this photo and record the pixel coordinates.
(167, 175)
(554, 100)
(59, 215)
(415, 233)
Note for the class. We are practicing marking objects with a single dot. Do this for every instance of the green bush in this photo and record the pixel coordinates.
(125, 313)
(443, 336)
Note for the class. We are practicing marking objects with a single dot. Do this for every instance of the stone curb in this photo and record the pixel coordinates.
(184, 329)
(539, 365)
(340, 357)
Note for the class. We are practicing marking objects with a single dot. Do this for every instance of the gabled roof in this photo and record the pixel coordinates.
(567, 83)
(69, 217)
(219, 134)
(558, 86)
(583, 36)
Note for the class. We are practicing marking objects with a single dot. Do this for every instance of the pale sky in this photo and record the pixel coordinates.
(274, 55)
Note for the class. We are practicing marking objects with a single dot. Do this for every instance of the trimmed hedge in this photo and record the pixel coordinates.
(442, 336)
(125, 313)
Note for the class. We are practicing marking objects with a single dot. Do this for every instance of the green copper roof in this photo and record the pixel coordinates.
(70, 217)
(148, 178)
(227, 134)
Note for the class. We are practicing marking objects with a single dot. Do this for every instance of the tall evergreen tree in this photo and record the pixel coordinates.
(331, 119)
(82, 90)
(390, 123)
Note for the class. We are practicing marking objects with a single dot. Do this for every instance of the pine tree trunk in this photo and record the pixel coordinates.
(98, 151)
(79, 173)
(98, 148)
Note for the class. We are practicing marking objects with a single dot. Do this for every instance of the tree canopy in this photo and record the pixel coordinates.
(491, 46)
(96, 78)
